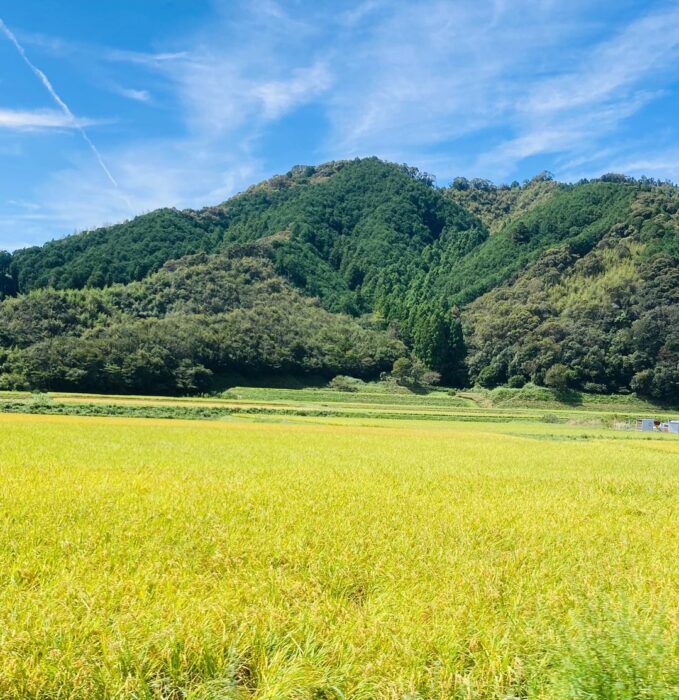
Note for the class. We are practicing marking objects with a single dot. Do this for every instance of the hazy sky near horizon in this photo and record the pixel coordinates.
(117, 108)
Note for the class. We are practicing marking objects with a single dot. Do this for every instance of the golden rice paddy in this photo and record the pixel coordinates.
(177, 559)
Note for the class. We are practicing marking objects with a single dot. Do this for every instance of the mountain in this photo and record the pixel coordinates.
(560, 284)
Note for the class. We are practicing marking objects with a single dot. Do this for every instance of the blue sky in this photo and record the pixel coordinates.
(186, 102)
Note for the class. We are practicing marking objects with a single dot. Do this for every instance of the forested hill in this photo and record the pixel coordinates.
(341, 224)
(559, 284)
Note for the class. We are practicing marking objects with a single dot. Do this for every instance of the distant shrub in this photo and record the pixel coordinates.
(13, 381)
(532, 392)
(490, 376)
(521, 233)
(529, 393)
(516, 381)
(594, 388)
(39, 399)
(343, 383)
(642, 382)
(502, 393)
(413, 373)
(550, 418)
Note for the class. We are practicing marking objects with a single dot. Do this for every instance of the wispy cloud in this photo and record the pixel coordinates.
(359, 12)
(663, 165)
(571, 113)
(574, 133)
(417, 78)
(612, 68)
(528, 72)
(56, 46)
(133, 93)
(65, 109)
(160, 174)
(250, 82)
(31, 120)
(219, 96)
(280, 96)
(142, 58)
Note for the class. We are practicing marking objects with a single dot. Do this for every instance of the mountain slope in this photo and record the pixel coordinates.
(115, 254)
(496, 206)
(603, 317)
(346, 223)
(575, 216)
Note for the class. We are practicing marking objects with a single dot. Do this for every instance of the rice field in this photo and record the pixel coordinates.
(336, 558)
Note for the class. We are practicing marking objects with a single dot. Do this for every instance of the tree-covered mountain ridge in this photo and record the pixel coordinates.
(568, 285)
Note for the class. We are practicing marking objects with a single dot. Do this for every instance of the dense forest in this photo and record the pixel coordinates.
(347, 267)
(182, 328)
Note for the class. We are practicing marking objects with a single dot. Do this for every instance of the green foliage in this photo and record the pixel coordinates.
(7, 283)
(558, 377)
(574, 217)
(551, 418)
(516, 381)
(610, 314)
(438, 342)
(618, 655)
(583, 277)
(413, 373)
(490, 376)
(494, 205)
(177, 330)
(342, 383)
(120, 253)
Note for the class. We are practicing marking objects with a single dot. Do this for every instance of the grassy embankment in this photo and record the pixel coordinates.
(372, 400)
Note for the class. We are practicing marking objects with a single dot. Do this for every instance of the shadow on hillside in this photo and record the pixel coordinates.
(228, 380)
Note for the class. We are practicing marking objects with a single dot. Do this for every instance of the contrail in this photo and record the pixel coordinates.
(62, 105)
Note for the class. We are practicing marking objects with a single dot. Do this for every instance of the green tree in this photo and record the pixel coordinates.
(413, 373)
(439, 343)
(558, 377)
(7, 283)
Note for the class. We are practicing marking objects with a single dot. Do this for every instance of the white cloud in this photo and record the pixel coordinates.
(133, 94)
(537, 76)
(278, 97)
(615, 66)
(56, 46)
(24, 120)
(151, 60)
(360, 12)
(575, 133)
(420, 77)
(23, 204)
(650, 161)
(575, 111)
(223, 91)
